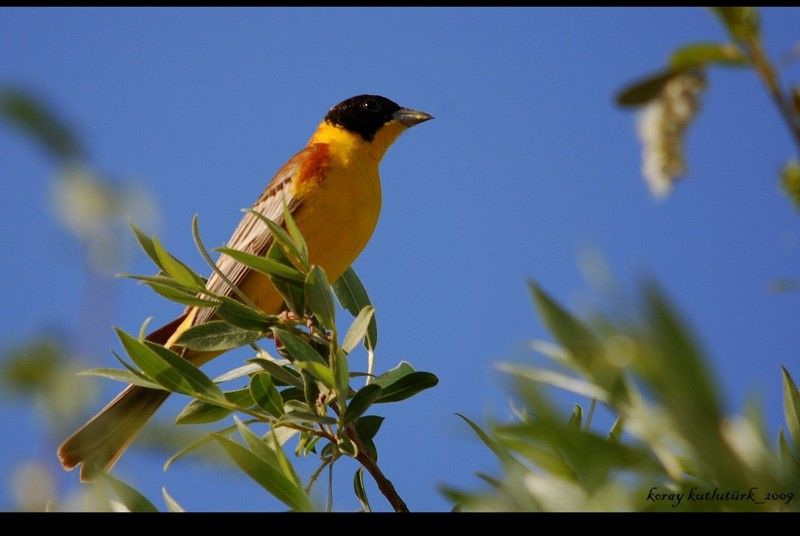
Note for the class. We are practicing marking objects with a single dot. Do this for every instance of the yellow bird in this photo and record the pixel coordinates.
(332, 189)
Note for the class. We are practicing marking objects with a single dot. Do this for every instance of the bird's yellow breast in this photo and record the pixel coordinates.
(340, 204)
(339, 194)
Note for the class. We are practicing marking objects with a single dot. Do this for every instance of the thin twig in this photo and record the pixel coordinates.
(770, 78)
(384, 484)
(329, 506)
(315, 475)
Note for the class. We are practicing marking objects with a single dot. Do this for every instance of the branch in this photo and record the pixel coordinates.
(384, 484)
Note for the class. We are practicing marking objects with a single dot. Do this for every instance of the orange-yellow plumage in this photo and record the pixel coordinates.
(332, 188)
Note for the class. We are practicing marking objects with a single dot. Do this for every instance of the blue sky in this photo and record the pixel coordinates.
(527, 165)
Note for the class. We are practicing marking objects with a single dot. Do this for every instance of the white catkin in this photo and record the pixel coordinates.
(661, 127)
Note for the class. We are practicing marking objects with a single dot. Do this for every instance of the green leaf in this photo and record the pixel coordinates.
(677, 369)
(199, 382)
(361, 402)
(298, 406)
(358, 329)
(403, 368)
(266, 475)
(264, 265)
(295, 234)
(292, 393)
(154, 366)
(244, 317)
(360, 491)
(790, 174)
(285, 242)
(132, 370)
(265, 395)
(292, 292)
(176, 269)
(493, 482)
(143, 328)
(279, 372)
(367, 426)
(328, 451)
(124, 376)
(173, 290)
(700, 54)
(346, 446)
(311, 389)
(567, 329)
(741, 22)
(319, 298)
(557, 379)
(616, 430)
(320, 372)
(576, 418)
(201, 248)
(238, 372)
(341, 372)
(256, 445)
(371, 450)
(199, 412)
(132, 499)
(791, 407)
(282, 435)
(172, 504)
(179, 296)
(216, 336)
(161, 279)
(353, 297)
(307, 444)
(147, 246)
(787, 456)
(305, 416)
(297, 348)
(493, 445)
(199, 442)
(406, 387)
(25, 112)
(542, 455)
(644, 90)
(283, 462)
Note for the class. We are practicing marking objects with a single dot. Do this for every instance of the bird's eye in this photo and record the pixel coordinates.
(371, 106)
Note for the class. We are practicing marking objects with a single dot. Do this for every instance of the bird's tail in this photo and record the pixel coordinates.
(101, 441)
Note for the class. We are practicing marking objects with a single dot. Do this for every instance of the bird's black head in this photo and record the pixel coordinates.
(364, 114)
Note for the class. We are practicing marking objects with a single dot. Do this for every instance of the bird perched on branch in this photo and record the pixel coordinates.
(332, 190)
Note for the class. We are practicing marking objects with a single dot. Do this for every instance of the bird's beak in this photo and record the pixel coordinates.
(409, 118)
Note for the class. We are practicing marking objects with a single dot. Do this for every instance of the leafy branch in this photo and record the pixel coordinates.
(669, 443)
(305, 394)
(670, 98)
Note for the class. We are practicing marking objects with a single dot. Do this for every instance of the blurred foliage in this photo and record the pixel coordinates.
(669, 100)
(670, 446)
(43, 369)
(790, 182)
(30, 114)
(304, 396)
(93, 208)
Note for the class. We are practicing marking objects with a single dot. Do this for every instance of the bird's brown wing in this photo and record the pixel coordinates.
(252, 235)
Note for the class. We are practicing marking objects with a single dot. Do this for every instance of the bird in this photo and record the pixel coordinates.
(332, 189)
